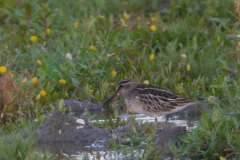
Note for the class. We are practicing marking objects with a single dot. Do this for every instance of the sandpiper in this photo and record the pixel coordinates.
(149, 99)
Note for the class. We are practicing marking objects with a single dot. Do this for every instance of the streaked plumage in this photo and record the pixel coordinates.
(149, 99)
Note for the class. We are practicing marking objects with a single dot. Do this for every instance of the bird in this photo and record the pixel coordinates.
(149, 99)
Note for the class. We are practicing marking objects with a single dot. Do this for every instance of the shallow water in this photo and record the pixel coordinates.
(98, 151)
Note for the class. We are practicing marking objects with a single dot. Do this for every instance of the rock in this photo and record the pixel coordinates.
(60, 128)
(164, 136)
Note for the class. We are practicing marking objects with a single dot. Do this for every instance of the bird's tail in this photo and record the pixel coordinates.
(186, 101)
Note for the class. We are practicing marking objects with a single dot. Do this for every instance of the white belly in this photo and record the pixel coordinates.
(135, 107)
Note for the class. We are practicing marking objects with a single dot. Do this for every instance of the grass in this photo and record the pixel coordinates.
(205, 31)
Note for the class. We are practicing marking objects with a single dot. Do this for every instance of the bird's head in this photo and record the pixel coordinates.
(123, 89)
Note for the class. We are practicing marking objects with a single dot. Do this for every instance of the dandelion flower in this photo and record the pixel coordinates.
(76, 24)
(3, 69)
(218, 39)
(43, 93)
(39, 62)
(34, 80)
(62, 81)
(48, 31)
(126, 16)
(38, 97)
(69, 56)
(93, 48)
(184, 56)
(101, 16)
(153, 28)
(91, 91)
(146, 82)
(188, 67)
(114, 73)
(152, 57)
(34, 38)
(24, 80)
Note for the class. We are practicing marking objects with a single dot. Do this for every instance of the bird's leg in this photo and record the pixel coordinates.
(155, 119)
(167, 117)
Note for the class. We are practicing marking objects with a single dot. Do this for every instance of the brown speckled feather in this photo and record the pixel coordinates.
(158, 99)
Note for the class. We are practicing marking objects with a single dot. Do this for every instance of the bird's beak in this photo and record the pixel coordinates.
(110, 98)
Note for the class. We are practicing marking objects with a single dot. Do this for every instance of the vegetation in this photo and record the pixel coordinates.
(82, 49)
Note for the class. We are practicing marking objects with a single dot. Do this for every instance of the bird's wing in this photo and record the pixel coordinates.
(158, 99)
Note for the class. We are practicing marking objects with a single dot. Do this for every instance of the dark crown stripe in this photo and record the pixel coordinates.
(125, 81)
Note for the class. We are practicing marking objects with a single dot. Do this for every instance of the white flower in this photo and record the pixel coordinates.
(69, 56)
(146, 82)
(184, 56)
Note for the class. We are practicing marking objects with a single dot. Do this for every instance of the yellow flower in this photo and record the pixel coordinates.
(39, 62)
(38, 97)
(101, 16)
(221, 158)
(24, 80)
(218, 39)
(3, 69)
(153, 19)
(126, 16)
(34, 38)
(184, 56)
(34, 80)
(62, 81)
(48, 31)
(188, 67)
(93, 48)
(152, 57)
(91, 91)
(114, 73)
(43, 93)
(146, 82)
(153, 28)
(76, 24)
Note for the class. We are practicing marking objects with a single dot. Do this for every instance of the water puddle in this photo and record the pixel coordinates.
(85, 133)
(98, 150)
